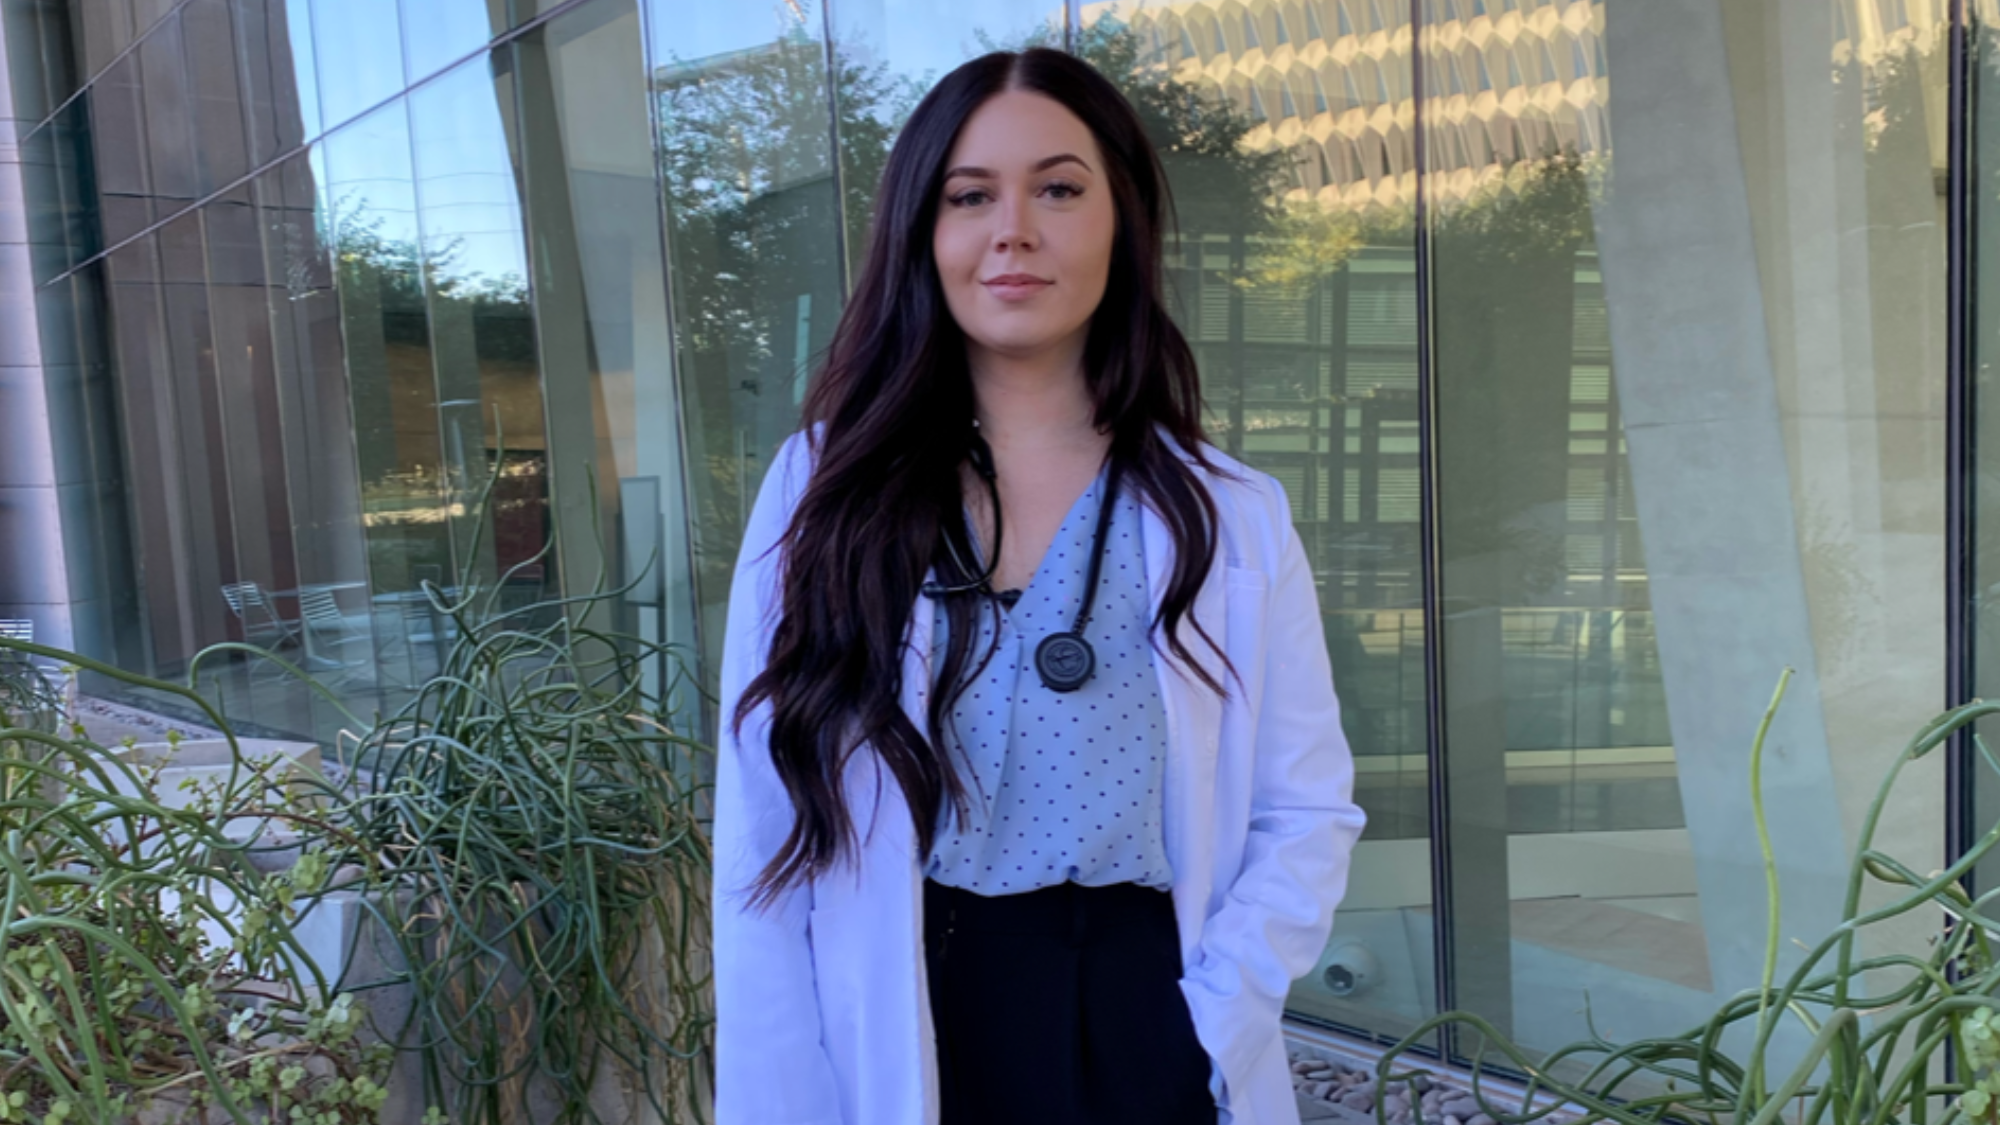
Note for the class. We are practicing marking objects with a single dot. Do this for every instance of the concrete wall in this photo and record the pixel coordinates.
(34, 582)
(1770, 272)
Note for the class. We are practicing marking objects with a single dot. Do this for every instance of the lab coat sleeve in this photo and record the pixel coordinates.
(771, 1066)
(1278, 912)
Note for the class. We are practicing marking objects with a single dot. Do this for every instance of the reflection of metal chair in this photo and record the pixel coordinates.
(261, 624)
(328, 634)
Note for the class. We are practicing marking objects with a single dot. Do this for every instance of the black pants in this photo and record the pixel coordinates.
(1062, 1007)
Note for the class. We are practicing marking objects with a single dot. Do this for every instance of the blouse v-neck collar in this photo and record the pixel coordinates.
(1089, 499)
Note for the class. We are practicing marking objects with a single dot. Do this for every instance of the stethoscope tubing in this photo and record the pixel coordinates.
(982, 464)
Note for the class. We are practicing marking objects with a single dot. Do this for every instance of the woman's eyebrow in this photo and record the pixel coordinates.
(1048, 162)
(1041, 165)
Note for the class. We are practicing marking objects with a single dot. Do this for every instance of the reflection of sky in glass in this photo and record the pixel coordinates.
(360, 55)
(437, 33)
(915, 37)
(367, 176)
(465, 177)
(686, 31)
(925, 38)
(298, 29)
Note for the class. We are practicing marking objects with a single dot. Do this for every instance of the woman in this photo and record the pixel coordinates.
(1032, 798)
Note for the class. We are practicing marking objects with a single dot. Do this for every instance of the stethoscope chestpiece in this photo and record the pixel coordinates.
(1064, 661)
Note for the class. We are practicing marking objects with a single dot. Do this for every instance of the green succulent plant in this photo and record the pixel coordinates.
(1871, 1059)
(145, 964)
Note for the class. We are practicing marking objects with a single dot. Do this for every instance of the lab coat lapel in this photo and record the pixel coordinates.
(1194, 723)
(904, 1058)
(916, 694)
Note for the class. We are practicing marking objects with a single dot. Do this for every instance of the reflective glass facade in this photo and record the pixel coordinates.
(1584, 449)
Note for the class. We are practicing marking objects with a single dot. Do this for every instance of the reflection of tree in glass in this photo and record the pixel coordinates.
(757, 219)
(1504, 280)
(747, 145)
(392, 384)
(1220, 187)
(398, 270)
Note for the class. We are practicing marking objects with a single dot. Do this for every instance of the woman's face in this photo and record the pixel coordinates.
(1024, 228)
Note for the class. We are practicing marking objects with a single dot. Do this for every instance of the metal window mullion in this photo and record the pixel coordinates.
(1960, 434)
(833, 150)
(1430, 568)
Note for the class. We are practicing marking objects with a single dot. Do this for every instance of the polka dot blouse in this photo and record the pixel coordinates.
(1062, 787)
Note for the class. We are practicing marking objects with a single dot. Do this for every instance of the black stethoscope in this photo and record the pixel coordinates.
(1064, 660)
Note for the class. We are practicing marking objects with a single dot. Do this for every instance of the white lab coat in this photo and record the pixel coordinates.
(822, 1003)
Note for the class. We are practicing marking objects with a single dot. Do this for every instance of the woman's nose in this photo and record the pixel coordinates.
(1017, 227)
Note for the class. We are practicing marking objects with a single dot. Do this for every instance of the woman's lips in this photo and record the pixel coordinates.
(1015, 286)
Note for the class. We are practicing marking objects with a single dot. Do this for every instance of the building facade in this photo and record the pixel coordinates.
(306, 302)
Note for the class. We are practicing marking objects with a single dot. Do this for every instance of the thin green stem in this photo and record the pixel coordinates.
(1753, 1087)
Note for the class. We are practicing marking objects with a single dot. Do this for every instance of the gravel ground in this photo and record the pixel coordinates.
(109, 723)
(1334, 1091)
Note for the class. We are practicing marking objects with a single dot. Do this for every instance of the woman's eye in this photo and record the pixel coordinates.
(971, 198)
(1060, 190)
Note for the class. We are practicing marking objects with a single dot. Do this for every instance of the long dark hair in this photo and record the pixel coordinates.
(893, 410)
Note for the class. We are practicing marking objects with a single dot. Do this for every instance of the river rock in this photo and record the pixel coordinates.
(1462, 1107)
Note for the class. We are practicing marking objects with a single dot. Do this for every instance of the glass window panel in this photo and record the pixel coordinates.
(482, 326)
(60, 190)
(385, 324)
(1620, 610)
(755, 239)
(311, 374)
(40, 58)
(251, 450)
(103, 28)
(169, 115)
(96, 525)
(118, 133)
(139, 356)
(206, 560)
(1301, 306)
(266, 507)
(358, 55)
(165, 357)
(78, 305)
(602, 307)
(146, 13)
(221, 150)
(313, 436)
(1982, 612)
(279, 88)
(437, 33)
